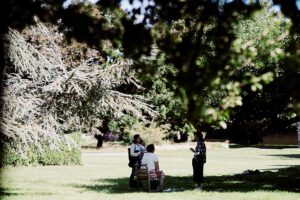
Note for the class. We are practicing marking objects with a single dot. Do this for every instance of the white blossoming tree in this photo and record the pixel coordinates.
(49, 89)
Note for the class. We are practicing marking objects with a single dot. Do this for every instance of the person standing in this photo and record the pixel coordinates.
(136, 152)
(98, 135)
(199, 160)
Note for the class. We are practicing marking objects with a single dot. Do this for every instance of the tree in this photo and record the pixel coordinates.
(157, 76)
(47, 93)
(263, 106)
(184, 48)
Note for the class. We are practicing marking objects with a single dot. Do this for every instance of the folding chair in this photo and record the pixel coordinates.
(141, 175)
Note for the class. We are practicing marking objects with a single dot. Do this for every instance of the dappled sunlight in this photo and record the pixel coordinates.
(83, 80)
(228, 173)
(286, 179)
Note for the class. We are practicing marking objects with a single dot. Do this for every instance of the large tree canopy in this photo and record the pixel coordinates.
(267, 104)
(177, 28)
(200, 42)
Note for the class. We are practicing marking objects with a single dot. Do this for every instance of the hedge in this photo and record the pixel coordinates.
(61, 156)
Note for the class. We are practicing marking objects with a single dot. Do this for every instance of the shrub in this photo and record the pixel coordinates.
(63, 155)
(151, 134)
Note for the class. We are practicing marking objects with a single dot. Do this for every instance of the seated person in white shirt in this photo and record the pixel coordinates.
(151, 160)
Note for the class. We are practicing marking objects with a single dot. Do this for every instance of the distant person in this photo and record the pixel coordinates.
(136, 152)
(99, 136)
(198, 160)
(151, 160)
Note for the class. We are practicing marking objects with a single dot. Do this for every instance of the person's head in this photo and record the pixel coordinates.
(199, 136)
(150, 148)
(137, 139)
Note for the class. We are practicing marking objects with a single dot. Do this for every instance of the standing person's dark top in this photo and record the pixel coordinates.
(198, 161)
(136, 151)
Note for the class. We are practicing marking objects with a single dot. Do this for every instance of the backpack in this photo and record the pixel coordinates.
(132, 159)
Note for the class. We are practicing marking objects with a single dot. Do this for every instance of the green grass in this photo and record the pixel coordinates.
(104, 175)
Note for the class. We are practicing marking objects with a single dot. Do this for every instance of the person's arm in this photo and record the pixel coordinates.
(132, 151)
(197, 149)
(204, 152)
(142, 148)
(157, 169)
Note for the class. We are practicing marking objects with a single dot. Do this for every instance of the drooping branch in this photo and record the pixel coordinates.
(45, 96)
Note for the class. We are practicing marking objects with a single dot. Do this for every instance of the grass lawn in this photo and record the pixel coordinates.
(104, 175)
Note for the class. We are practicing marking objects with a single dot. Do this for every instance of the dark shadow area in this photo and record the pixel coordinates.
(3, 194)
(285, 179)
(287, 155)
(6, 192)
(277, 146)
(233, 146)
(121, 185)
(280, 167)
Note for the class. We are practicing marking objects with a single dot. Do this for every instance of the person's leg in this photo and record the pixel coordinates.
(195, 171)
(200, 175)
(201, 165)
(161, 181)
(132, 182)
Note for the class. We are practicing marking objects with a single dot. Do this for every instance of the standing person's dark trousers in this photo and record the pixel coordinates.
(198, 171)
(132, 182)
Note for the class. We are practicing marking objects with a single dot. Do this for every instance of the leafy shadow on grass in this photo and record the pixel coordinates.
(236, 146)
(287, 179)
(277, 146)
(287, 155)
(14, 192)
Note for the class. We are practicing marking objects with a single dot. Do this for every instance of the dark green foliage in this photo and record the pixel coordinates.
(267, 111)
(267, 103)
(184, 48)
(199, 54)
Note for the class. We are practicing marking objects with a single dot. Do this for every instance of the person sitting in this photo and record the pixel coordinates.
(151, 160)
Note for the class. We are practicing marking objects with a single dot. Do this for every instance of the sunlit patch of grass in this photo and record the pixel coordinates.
(104, 176)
